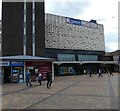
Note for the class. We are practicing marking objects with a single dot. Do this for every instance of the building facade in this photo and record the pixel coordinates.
(72, 40)
(116, 57)
(77, 46)
(0, 37)
(23, 28)
(23, 37)
(73, 34)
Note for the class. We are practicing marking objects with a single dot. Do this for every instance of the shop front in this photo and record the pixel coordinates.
(35, 67)
(66, 68)
(14, 68)
(17, 72)
(12, 72)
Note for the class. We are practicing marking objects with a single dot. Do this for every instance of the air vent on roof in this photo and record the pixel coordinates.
(93, 21)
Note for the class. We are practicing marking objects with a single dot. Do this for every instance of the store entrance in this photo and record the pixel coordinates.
(17, 74)
(67, 70)
(7, 75)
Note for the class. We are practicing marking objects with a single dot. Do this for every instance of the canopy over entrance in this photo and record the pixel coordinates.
(25, 58)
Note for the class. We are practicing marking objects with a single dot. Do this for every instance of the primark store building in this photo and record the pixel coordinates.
(77, 45)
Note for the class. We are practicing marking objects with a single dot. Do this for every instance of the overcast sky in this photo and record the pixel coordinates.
(104, 11)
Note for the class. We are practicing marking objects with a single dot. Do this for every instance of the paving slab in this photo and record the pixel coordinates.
(67, 92)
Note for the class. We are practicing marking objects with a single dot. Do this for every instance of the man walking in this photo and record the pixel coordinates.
(28, 78)
(49, 79)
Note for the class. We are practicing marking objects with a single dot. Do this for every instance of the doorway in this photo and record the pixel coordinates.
(7, 74)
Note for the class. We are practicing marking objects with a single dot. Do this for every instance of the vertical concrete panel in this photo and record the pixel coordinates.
(39, 29)
(29, 28)
(12, 28)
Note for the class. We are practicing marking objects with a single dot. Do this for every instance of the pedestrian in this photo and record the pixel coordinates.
(28, 74)
(90, 74)
(84, 71)
(49, 79)
(39, 78)
(110, 72)
(100, 73)
(107, 70)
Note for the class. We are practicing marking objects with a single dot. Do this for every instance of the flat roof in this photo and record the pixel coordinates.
(25, 58)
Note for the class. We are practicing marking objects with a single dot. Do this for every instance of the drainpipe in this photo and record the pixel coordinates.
(52, 71)
(24, 72)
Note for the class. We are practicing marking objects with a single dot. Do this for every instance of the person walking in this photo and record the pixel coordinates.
(40, 78)
(110, 72)
(100, 73)
(90, 73)
(49, 79)
(28, 74)
(107, 71)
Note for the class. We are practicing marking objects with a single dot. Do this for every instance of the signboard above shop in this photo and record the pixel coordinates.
(11, 63)
(16, 63)
(81, 23)
(4, 63)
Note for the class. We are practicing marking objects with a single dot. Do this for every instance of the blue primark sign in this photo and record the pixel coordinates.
(81, 23)
(73, 21)
(11, 63)
(16, 63)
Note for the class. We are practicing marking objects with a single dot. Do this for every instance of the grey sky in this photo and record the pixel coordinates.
(69, 9)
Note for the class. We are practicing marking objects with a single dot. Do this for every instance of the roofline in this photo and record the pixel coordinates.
(18, 58)
(86, 62)
(70, 17)
(28, 60)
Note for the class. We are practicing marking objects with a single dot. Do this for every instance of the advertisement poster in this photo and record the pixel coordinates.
(44, 68)
(15, 76)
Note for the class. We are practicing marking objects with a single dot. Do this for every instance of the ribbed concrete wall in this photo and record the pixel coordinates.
(61, 35)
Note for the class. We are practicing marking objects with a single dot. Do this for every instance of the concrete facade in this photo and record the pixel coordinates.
(23, 24)
(116, 57)
(59, 34)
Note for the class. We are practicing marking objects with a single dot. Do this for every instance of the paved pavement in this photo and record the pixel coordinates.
(67, 92)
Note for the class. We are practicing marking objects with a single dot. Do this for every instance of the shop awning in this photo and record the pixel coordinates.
(85, 62)
(25, 58)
